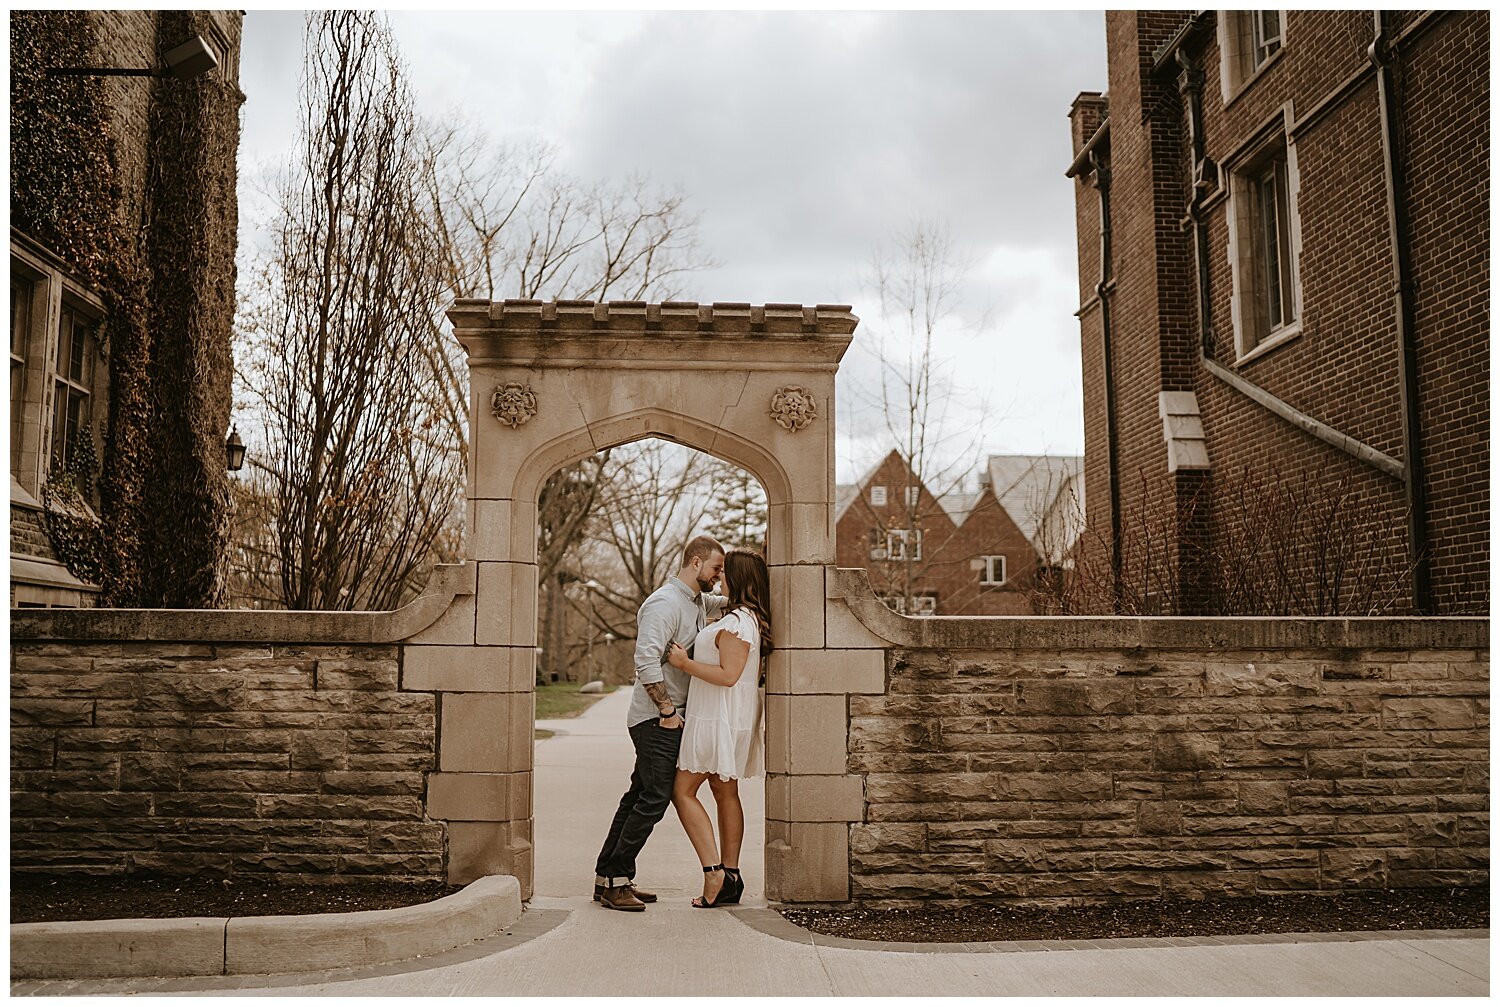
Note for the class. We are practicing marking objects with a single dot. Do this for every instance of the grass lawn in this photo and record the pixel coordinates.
(562, 699)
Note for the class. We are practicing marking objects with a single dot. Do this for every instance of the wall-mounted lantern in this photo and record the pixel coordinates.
(191, 59)
(234, 451)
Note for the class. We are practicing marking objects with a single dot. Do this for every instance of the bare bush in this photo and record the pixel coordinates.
(1252, 544)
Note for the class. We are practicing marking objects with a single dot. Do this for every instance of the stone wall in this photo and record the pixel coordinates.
(192, 758)
(1158, 757)
(227, 743)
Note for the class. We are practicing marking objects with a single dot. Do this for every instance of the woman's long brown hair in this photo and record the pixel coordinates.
(750, 587)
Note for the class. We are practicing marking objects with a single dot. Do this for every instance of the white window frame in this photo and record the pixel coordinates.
(1254, 336)
(987, 571)
(924, 605)
(896, 541)
(877, 496)
(913, 495)
(1246, 50)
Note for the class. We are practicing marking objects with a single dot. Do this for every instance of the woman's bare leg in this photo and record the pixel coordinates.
(699, 828)
(731, 818)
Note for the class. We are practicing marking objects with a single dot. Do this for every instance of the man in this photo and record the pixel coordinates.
(674, 613)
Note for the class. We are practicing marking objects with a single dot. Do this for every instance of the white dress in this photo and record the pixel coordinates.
(721, 733)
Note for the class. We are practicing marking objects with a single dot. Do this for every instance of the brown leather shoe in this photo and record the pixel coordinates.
(623, 898)
(644, 896)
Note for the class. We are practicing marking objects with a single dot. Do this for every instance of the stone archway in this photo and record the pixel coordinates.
(552, 382)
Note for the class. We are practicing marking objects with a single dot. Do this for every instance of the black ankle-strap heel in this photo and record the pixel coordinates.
(732, 879)
(719, 899)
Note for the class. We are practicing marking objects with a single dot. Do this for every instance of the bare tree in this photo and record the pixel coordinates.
(507, 222)
(362, 478)
(919, 277)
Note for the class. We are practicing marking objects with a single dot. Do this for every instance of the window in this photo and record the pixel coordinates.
(1248, 40)
(922, 604)
(877, 496)
(20, 330)
(72, 373)
(913, 494)
(901, 541)
(1265, 32)
(993, 571)
(1264, 245)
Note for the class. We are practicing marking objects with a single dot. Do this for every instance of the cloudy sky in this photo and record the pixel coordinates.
(801, 140)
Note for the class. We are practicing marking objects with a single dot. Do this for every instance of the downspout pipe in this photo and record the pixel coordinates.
(1381, 56)
(1101, 172)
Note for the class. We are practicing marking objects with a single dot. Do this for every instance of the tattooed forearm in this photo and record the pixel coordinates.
(658, 693)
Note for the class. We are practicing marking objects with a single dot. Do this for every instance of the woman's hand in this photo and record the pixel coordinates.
(677, 657)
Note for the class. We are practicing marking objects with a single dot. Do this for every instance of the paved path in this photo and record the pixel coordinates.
(581, 774)
(673, 950)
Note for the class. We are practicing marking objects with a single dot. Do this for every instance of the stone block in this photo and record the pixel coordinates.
(1185, 751)
(1250, 679)
(815, 798)
(468, 669)
(800, 533)
(807, 735)
(827, 672)
(807, 862)
(192, 946)
(477, 849)
(505, 605)
(889, 838)
(1076, 698)
(486, 732)
(358, 675)
(797, 602)
(503, 530)
(479, 797)
(1262, 797)
(454, 626)
(1159, 818)
(1428, 714)
(844, 630)
(1354, 868)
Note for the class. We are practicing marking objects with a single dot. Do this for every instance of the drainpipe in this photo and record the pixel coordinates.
(1406, 358)
(1100, 164)
(1205, 180)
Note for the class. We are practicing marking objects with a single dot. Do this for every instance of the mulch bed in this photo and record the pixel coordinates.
(46, 899)
(1406, 909)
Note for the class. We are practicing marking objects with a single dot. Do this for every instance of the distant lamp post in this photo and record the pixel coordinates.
(191, 59)
(234, 451)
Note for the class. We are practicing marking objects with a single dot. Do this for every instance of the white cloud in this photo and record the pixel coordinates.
(801, 139)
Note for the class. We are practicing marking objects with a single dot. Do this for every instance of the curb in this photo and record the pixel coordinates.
(250, 945)
(771, 923)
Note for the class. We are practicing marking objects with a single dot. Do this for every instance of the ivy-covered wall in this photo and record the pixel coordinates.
(155, 237)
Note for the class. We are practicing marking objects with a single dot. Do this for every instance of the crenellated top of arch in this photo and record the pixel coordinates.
(829, 327)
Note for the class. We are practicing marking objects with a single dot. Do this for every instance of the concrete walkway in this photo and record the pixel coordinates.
(673, 950)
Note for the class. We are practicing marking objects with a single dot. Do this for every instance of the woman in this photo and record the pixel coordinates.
(721, 735)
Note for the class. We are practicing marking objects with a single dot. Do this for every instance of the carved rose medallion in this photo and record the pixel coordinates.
(513, 404)
(793, 407)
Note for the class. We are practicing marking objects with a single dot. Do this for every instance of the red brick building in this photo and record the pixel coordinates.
(961, 553)
(1283, 247)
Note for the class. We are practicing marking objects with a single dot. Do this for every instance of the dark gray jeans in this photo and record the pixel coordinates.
(645, 803)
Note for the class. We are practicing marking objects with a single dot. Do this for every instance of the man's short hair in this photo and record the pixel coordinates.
(702, 548)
